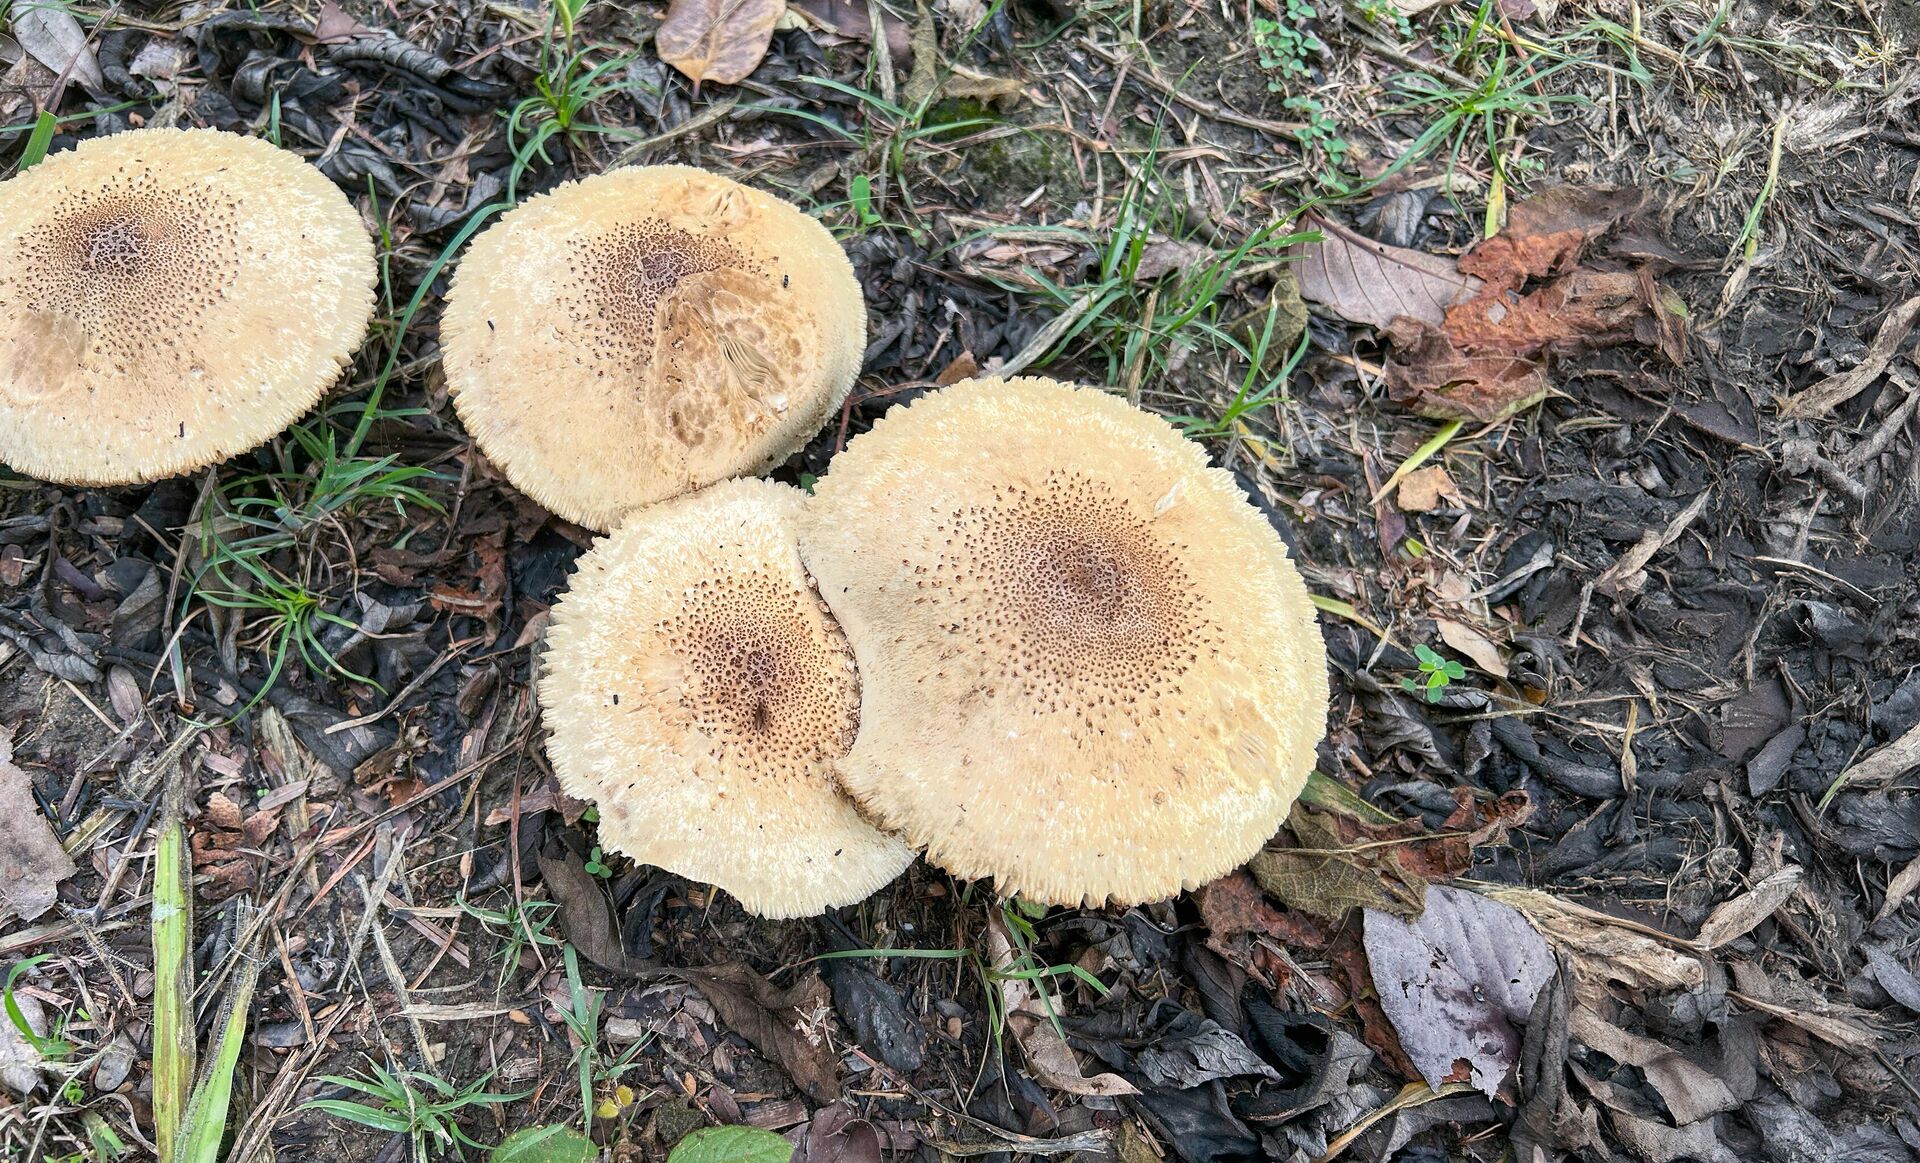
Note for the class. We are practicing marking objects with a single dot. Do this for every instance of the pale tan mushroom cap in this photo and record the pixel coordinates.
(698, 691)
(645, 332)
(1088, 668)
(169, 298)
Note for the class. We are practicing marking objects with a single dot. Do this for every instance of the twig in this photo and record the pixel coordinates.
(1204, 108)
(700, 120)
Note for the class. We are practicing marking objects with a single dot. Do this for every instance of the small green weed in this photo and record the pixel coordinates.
(416, 1103)
(1321, 134)
(596, 864)
(520, 925)
(1140, 327)
(592, 1067)
(1386, 16)
(569, 84)
(1285, 47)
(1435, 673)
(51, 1047)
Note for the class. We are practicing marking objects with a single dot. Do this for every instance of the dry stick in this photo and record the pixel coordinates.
(397, 837)
(1885, 765)
(406, 692)
(1634, 560)
(700, 120)
(395, 978)
(1837, 389)
(1204, 108)
(1882, 436)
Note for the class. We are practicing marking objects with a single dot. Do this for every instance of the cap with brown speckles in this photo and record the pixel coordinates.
(1088, 668)
(645, 332)
(698, 691)
(148, 323)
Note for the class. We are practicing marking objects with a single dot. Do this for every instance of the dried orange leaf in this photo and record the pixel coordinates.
(717, 40)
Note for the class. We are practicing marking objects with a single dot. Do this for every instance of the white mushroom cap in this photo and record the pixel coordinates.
(1088, 668)
(645, 332)
(169, 298)
(698, 691)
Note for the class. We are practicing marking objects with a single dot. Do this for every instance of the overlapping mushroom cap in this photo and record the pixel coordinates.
(169, 298)
(1088, 668)
(648, 331)
(698, 691)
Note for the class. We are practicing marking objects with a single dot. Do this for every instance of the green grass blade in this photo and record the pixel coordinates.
(174, 1053)
(42, 137)
(207, 1113)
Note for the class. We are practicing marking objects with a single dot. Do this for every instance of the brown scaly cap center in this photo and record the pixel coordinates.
(775, 696)
(1068, 592)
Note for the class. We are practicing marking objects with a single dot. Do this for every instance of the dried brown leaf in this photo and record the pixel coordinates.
(781, 1024)
(1466, 640)
(1341, 863)
(1433, 376)
(1422, 490)
(717, 40)
(1739, 916)
(1364, 281)
(32, 862)
(1690, 1092)
(1048, 1056)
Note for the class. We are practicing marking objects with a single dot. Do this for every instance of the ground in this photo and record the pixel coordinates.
(1677, 592)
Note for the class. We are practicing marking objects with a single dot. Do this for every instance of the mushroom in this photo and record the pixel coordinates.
(1088, 668)
(169, 298)
(645, 332)
(699, 692)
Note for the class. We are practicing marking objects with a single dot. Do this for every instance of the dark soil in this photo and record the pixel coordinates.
(1679, 738)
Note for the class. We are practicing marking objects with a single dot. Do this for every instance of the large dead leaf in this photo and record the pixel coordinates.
(585, 912)
(1604, 949)
(1369, 282)
(785, 1025)
(1457, 981)
(853, 19)
(1533, 295)
(1340, 863)
(51, 35)
(1690, 1091)
(32, 863)
(717, 40)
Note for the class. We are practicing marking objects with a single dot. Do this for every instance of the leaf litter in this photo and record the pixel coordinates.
(1632, 859)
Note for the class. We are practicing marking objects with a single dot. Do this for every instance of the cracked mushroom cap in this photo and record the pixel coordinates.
(642, 333)
(699, 692)
(1088, 668)
(169, 298)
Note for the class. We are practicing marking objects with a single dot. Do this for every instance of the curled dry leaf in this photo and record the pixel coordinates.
(717, 40)
(1604, 949)
(32, 862)
(1431, 375)
(1479, 356)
